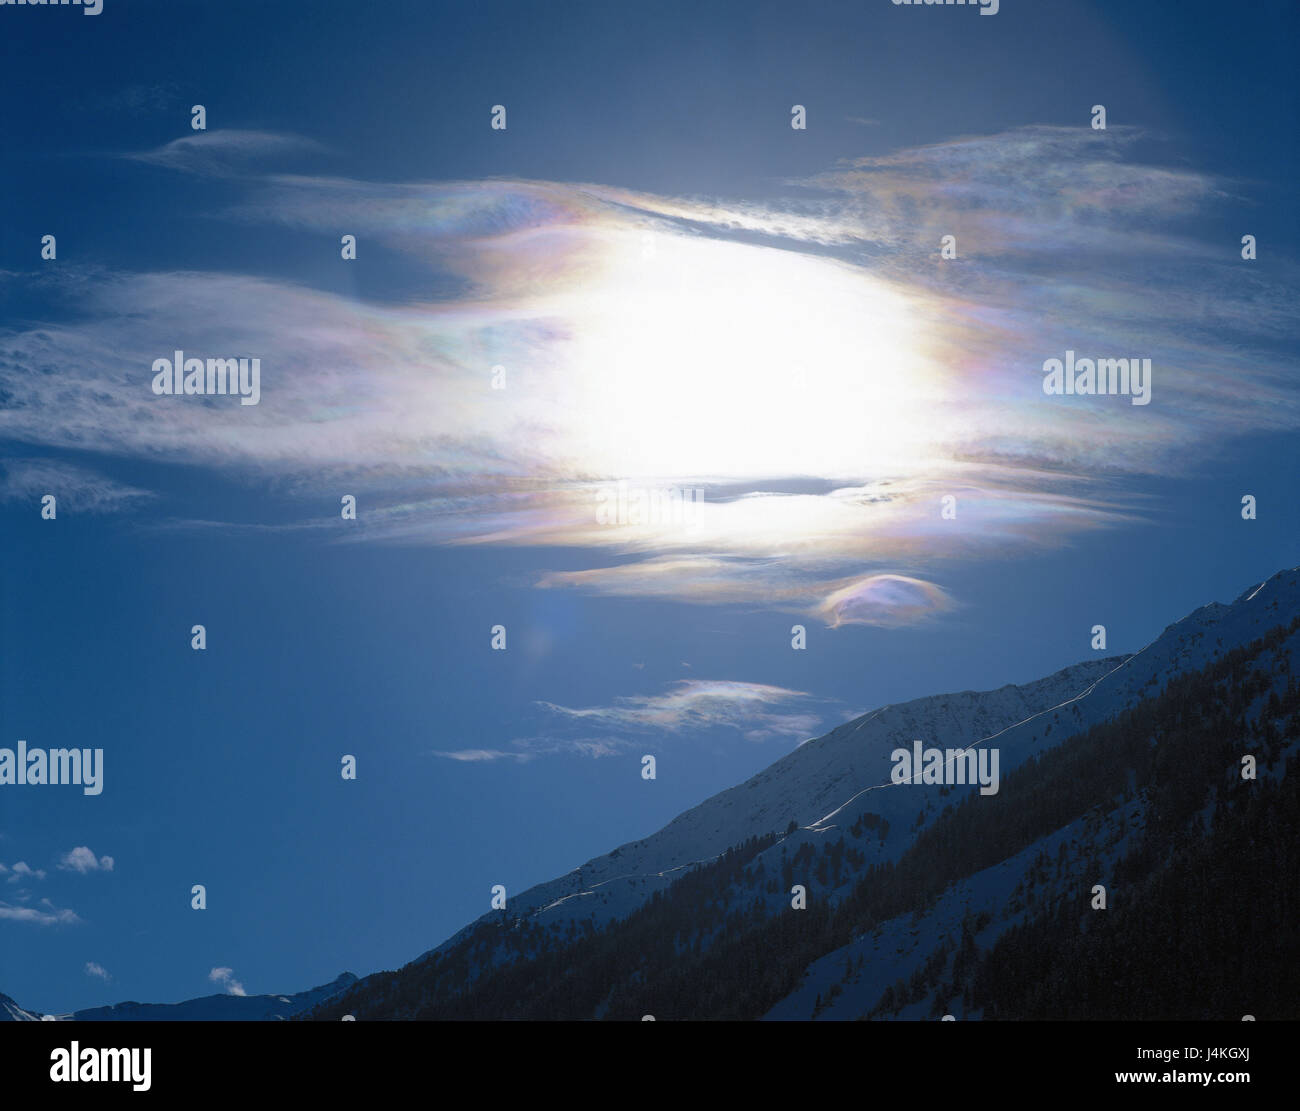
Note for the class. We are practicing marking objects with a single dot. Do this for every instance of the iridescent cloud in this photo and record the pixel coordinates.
(882, 600)
(809, 364)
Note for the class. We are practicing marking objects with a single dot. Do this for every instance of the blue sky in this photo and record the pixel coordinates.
(684, 292)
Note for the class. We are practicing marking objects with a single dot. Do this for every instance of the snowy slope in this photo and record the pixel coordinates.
(901, 945)
(848, 982)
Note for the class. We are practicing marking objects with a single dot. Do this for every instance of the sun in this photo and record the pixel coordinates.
(695, 357)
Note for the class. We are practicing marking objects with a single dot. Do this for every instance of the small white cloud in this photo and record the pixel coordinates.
(226, 978)
(97, 970)
(22, 870)
(82, 860)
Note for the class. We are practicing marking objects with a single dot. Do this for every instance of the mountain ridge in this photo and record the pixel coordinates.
(1121, 680)
(1137, 783)
(208, 1008)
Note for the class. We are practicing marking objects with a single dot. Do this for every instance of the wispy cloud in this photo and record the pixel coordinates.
(74, 488)
(481, 755)
(98, 971)
(694, 707)
(228, 152)
(48, 917)
(546, 744)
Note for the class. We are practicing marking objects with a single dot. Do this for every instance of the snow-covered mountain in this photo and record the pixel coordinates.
(828, 783)
(832, 802)
(11, 1012)
(209, 1008)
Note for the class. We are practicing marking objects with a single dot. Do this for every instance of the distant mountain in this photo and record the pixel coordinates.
(1121, 773)
(209, 1008)
(11, 1012)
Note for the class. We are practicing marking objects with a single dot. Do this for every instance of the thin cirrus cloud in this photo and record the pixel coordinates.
(49, 916)
(756, 711)
(730, 347)
(98, 971)
(79, 489)
(530, 748)
(690, 704)
(482, 755)
(228, 152)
